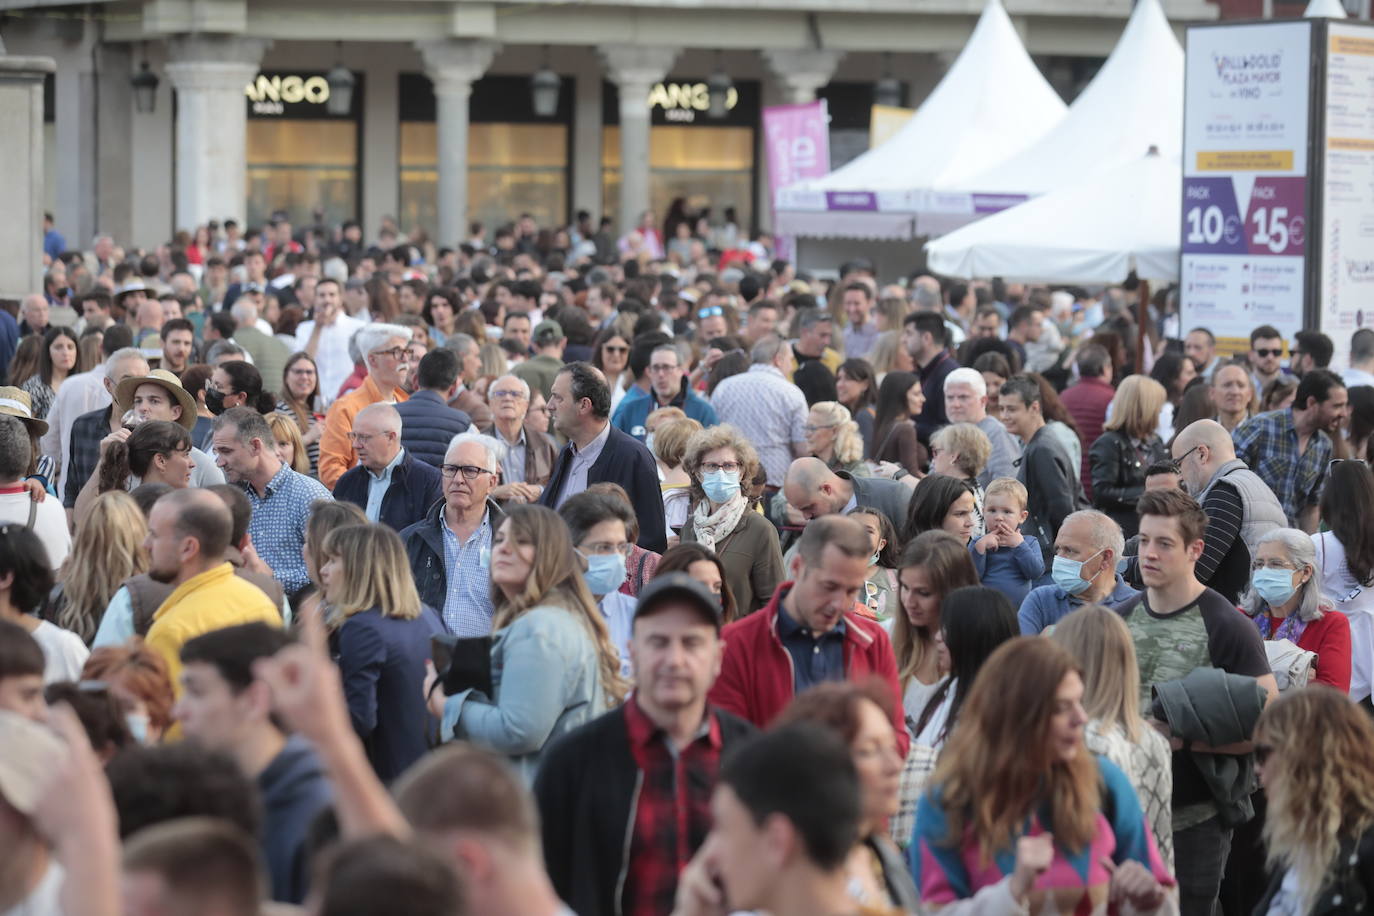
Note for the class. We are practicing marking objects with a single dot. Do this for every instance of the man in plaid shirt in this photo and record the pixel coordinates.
(90, 429)
(646, 769)
(1290, 449)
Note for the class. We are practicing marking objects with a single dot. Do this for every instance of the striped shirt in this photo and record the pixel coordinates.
(769, 410)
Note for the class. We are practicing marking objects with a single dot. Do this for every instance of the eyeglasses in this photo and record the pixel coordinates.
(1278, 352)
(611, 349)
(711, 311)
(729, 467)
(1271, 564)
(394, 352)
(664, 367)
(470, 471)
(506, 393)
(1177, 463)
(606, 550)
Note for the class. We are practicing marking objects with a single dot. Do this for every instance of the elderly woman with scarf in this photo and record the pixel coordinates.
(723, 519)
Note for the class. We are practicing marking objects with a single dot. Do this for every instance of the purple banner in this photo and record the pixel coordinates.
(1212, 222)
(996, 203)
(797, 140)
(851, 200)
(1276, 221)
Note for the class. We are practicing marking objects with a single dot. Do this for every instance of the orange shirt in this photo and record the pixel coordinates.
(336, 452)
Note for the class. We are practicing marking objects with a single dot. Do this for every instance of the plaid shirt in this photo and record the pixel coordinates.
(673, 812)
(1268, 444)
(87, 432)
(278, 524)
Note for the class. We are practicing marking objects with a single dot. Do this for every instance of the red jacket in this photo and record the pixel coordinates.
(1329, 637)
(756, 680)
(1087, 403)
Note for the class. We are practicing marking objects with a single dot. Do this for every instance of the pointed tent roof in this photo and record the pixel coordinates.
(1135, 101)
(1096, 230)
(992, 102)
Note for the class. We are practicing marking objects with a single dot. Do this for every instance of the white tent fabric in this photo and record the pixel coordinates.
(991, 103)
(1097, 231)
(1134, 102)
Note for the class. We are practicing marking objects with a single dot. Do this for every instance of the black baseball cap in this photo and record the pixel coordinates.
(679, 588)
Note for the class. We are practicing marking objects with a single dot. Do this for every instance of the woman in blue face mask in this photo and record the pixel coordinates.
(1285, 600)
(722, 463)
(600, 526)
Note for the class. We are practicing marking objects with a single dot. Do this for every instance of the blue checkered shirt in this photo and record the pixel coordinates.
(1268, 443)
(278, 525)
(467, 573)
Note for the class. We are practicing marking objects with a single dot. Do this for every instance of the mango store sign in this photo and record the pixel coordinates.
(682, 101)
(270, 94)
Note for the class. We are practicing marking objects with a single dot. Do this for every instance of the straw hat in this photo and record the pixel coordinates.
(17, 403)
(124, 394)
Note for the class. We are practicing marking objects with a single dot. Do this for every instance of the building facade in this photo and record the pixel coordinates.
(442, 127)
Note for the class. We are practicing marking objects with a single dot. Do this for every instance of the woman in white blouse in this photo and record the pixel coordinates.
(1345, 556)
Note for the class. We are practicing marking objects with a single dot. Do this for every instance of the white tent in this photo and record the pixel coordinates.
(992, 103)
(1134, 102)
(1096, 231)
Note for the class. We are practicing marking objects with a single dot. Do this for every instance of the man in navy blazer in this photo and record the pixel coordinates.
(389, 484)
(597, 452)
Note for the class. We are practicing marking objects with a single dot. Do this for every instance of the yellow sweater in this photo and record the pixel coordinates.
(213, 600)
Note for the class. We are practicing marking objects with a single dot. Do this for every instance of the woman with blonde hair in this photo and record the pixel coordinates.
(934, 564)
(1019, 815)
(1129, 444)
(833, 437)
(1101, 643)
(553, 666)
(381, 636)
(962, 450)
(888, 355)
(286, 439)
(721, 461)
(1314, 749)
(107, 549)
(669, 445)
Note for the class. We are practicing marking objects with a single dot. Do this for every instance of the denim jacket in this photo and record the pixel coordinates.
(546, 681)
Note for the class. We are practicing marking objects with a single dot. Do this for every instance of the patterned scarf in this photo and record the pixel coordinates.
(713, 527)
(1291, 628)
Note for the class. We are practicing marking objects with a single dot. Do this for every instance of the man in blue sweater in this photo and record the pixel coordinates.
(1086, 551)
(227, 709)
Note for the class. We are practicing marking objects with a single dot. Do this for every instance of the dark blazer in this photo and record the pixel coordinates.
(415, 486)
(627, 462)
(382, 661)
(424, 542)
(890, 497)
(427, 425)
(1350, 885)
(586, 789)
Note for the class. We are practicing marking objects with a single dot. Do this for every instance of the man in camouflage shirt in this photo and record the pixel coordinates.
(1178, 625)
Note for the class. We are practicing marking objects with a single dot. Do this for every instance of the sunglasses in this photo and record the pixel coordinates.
(711, 311)
(1278, 352)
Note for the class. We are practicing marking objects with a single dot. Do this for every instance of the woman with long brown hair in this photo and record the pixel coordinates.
(934, 564)
(552, 661)
(1315, 754)
(1020, 814)
(299, 398)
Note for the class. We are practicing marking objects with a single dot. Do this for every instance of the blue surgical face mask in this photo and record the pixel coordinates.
(605, 572)
(1068, 574)
(720, 486)
(1275, 586)
(138, 726)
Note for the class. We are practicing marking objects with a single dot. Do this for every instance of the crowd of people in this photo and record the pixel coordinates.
(544, 575)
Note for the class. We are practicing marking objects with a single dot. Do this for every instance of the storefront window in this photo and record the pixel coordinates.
(512, 169)
(712, 167)
(300, 157)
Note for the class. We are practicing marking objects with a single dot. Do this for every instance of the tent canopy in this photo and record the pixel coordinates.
(1135, 101)
(991, 103)
(1097, 231)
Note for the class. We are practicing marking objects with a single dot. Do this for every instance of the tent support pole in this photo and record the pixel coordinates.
(1142, 316)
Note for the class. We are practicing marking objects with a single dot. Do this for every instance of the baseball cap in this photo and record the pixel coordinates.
(31, 752)
(547, 332)
(679, 588)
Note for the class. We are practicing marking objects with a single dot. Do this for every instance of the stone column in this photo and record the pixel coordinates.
(801, 72)
(453, 65)
(209, 74)
(635, 70)
(21, 192)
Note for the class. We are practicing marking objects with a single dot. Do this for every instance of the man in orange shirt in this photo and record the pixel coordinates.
(385, 353)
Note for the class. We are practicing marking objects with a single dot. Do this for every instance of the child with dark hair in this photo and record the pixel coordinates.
(25, 580)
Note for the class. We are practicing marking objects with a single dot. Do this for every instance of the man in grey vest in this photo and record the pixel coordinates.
(813, 490)
(1240, 507)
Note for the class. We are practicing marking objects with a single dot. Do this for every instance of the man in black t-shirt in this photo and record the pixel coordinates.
(1178, 625)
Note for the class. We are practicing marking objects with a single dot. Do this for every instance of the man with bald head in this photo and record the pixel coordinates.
(188, 531)
(1240, 507)
(389, 484)
(1086, 551)
(813, 490)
